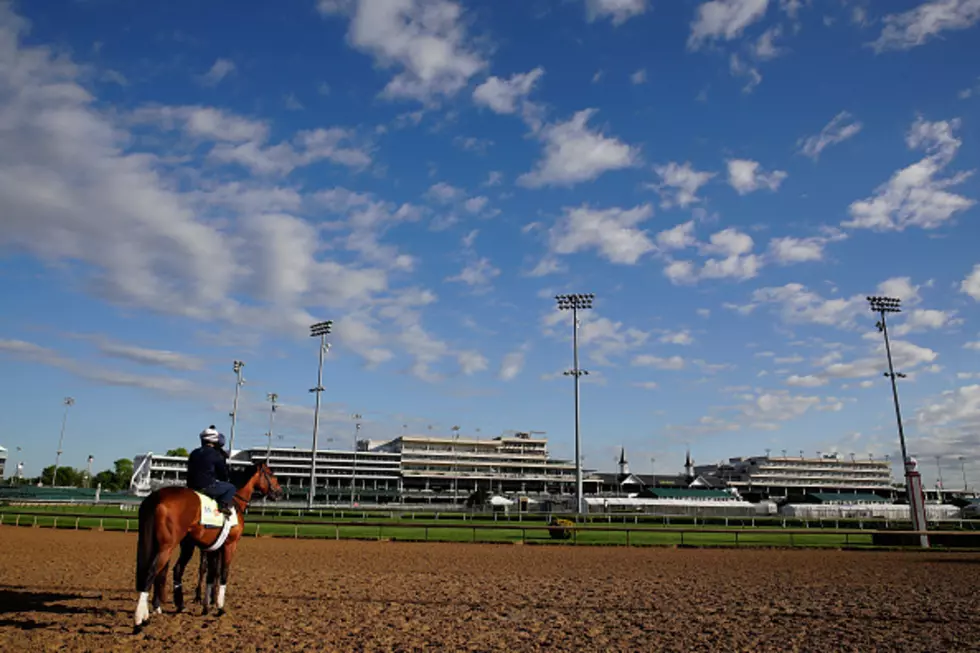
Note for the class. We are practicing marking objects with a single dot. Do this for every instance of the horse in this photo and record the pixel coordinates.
(171, 516)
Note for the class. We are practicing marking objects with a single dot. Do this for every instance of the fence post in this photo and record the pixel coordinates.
(126, 527)
(336, 531)
(426, 533)
(76, 522)
(682, 538)
(627, 537)
(474, 533)
(55, 525)
(295, 531)
(257, 527)
(736, 538)
(17, 521)
(791, 543)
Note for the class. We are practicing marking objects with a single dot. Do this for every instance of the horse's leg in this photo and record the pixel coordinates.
(201, 571)
(186, 553)
(212, 576)
(227, 554)
(160, 579)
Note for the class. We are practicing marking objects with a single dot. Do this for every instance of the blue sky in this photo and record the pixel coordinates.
(186, 184)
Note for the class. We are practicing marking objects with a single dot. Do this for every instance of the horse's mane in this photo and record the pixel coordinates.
(239, 475)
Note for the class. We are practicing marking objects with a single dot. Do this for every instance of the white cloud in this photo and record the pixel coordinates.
(918, 25)
(146, 356)
(681, 272)
(471, 362)
(573, 153)
(765, 47)
(842, 127)
(745, 176)
(729, 242)
(639, 77)
(679, 184)
(797, 304)
(924, 320)
(975, 346)
(900, 288)
(477, 274)
(335, 144)
(511, 365)
(739, 68)
(613, 232)
(796, 250)
(444, 193)
(970, 91)
(599, 337)
(971, 284)
(906, 357)
(505, 95)
(425, 39)
(617, 11)
(476, 204)
(677, 237)
(807, 381)
(683, 337)
(704, 312)
(916, 196)
(218, 71)
(648, 360)
(494, 178)
(647, 385)
(724, 20)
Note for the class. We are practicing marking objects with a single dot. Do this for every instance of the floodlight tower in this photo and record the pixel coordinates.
(237, 367)
(318, 330)
(913, 480)
(68, 402)
(576, 303)
(357, 417)
(274, 400)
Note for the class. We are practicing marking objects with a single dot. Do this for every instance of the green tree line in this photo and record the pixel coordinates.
(113, 479)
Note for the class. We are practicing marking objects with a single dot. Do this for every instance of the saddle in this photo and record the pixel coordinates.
(211, 515)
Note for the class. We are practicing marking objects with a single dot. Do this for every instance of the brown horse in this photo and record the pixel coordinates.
(170, 517)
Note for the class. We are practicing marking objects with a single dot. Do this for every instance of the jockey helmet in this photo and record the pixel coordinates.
(210, 434)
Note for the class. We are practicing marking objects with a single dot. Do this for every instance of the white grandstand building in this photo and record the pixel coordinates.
(407, 469)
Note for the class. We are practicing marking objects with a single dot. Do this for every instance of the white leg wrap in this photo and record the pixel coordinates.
(159, 610)
(143, 608)
(209, 592)
(221, 596)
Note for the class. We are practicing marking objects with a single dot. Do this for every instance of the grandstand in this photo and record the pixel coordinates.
(856, 505)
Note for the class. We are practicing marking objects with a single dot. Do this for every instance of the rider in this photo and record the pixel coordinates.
(207, 471)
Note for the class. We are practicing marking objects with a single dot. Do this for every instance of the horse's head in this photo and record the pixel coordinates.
(266, 484)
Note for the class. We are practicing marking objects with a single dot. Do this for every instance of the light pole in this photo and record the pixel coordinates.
(318, 330)
(353, 474)
(576, 303)
(69, 402)
(963, 470)
(238, 366)
(913, 482)
(273, 398)
(88, 474)
(455, 431)
(939, 472)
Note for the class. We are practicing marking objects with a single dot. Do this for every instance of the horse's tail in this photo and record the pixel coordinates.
(146, 544)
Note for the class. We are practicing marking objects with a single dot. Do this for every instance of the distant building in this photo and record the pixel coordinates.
(784, 476)
(3, 461)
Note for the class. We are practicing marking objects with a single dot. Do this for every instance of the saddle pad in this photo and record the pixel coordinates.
(211, 516)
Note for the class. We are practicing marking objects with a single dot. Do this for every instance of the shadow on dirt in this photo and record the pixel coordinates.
(14, 600)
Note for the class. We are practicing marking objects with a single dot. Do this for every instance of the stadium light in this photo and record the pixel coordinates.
(319, 330)
(68, 402)
(913, 481)
(575, 303)
(353, 474)
(963, 470)
(273, 399)
(237, 367)
(939, 471)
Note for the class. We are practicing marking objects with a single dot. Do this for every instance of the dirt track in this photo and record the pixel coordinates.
(64, 590)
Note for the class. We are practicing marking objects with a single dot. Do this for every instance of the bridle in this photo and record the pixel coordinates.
(265, 474)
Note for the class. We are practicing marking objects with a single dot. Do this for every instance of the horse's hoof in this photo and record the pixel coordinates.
(137, 629)
(204, 612)
(220, 613)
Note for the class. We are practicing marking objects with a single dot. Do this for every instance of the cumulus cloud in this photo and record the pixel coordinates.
(724, 20)
(670, 363)
(573, 153)
(506, 95)
(146, 356)
(511, 365)
(424, 39)
(218, 71)
(677, 237)
(600, 338)
(917, 195)
(746, 176)
(679, 184)
(971, 284)
(788, 250)
(738, 67)
(617, 11)
(842, 127)
(925, 22)
(614, 232)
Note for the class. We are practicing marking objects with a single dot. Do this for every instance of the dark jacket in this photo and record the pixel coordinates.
(205, 466)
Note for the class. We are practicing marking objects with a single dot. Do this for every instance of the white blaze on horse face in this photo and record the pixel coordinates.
(221, 596)
(143, 608)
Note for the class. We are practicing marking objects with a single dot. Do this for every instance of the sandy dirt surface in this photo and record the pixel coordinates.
(66, 590)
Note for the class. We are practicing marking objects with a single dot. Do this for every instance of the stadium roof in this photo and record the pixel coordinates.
(847, 497)
(682, 493)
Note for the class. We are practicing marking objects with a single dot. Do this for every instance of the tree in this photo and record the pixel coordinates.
(123, 471)
(105, 478)
(179, 451)
(67, 477)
